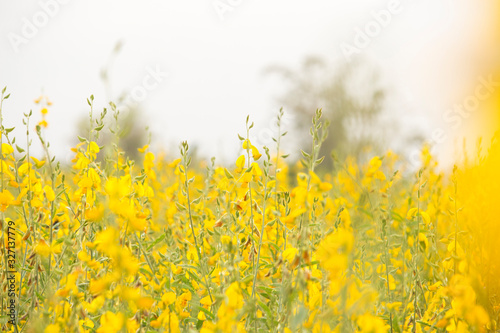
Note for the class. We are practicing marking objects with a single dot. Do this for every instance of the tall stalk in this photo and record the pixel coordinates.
(455, 187)
(186, 161)
(417, 241)
(256, 271)
(249, 164)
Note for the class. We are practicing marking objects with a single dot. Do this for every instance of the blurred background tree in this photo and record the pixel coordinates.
(352, 100)
(132, 134)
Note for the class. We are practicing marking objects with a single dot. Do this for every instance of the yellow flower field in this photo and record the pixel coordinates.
(264, 245)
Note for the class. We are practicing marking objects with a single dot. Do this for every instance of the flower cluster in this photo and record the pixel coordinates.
(112, 245)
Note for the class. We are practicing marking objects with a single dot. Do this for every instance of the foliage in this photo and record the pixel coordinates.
(353, 104)
(167, 246)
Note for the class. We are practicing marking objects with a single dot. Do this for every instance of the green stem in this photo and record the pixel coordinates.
(198, 250)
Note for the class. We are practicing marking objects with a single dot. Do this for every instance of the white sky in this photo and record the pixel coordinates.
(215, 67)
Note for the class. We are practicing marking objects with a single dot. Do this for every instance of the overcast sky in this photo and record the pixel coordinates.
(201, 63)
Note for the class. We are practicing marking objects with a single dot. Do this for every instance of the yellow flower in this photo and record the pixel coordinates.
(93, 147)
(144, 303)
(111, 322)
(43, 248)
(206, 301)
(132, 325)
(425, 217)
(240, 163)
(423, 240)
(246, 144)
(168, 298)
(85, 324)
(256, 171)
(143, 149)
(413, 212)
(52, 328)
(174, 163)
(49, 193)
(182, 301)
(6, 199)
(38, 163)
(96, 304)
(392, 282)
(130, 294)
(149, 161)
(289, 254)
(394, 306)
(96, 287)
(234, 297)
(333, 251)
(371, 324)
(225, 239)
(7, 149)
(435, 286)
(95, 213)
(255, 152)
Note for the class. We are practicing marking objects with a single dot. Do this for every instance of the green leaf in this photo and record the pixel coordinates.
(145, 272)
(424, 323)
(195, 277)
(298, 318)
(266, 309)
(196, 201)
(247, 279)
(318, 162)
(140, 178)
(159, 239)
(179, 206)
(228, 174)
(200, 308)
